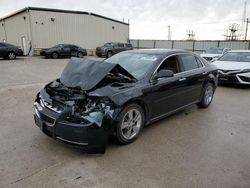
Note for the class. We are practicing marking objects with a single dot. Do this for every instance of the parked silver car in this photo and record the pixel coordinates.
(234, 67)
(214, 53)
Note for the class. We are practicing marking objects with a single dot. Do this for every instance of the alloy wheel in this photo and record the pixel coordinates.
(131, 124)
(209, 94)
(12, 55)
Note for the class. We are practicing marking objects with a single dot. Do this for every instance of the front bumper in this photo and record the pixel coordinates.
(89, 136)
(20, 52)
(239, 78)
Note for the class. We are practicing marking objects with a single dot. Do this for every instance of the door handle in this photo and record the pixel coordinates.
(182, 79)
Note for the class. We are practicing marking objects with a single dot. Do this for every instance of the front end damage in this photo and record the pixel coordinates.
(74, 116)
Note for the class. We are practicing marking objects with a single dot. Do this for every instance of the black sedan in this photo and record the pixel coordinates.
(9, 51)
(119, 96)
(63, 50)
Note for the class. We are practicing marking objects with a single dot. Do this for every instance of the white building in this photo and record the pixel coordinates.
(35, 28)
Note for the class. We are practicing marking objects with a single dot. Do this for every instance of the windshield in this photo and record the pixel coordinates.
(214, 51)
(236, 56)
(108, 44)
(136, 64)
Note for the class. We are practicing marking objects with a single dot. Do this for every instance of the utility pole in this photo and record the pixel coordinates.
(169, 33)
(247, 22)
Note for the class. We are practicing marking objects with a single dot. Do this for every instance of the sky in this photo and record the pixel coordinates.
(149, 19)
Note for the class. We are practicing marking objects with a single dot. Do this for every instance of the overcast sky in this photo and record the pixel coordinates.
(149, 19)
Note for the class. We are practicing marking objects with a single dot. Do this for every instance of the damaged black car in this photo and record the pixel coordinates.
(92, 101)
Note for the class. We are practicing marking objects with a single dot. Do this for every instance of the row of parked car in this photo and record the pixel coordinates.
(233, 65)
(9, 51)
(69, 50)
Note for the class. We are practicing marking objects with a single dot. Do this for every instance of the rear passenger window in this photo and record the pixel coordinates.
(189, 62)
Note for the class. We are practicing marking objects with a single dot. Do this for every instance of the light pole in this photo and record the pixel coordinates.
(247, 22)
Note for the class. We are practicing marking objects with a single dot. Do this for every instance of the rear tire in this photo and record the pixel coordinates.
(131, 121)
(109, 54)
(207, 95)
(54, 55)
(11, 55)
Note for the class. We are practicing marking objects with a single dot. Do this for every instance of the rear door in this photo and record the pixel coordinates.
(194, 74)
(65, 50)
(121, 47)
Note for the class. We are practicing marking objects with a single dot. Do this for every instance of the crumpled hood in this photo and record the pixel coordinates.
(232, 65)
(86, 74)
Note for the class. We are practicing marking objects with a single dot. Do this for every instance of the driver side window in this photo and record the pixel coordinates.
(170, 63)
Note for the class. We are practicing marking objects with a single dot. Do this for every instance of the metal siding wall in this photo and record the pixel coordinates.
(84, 30)
(16, 28)
(204, 45)
(163, 44)
(235, 45)
(185, 45)
(199, 46)
(2, 32)
(134, 43)
(146, 44)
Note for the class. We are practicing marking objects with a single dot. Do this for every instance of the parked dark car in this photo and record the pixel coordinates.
(93, 100)
(9, 51)
(111, 48)
(63, 50)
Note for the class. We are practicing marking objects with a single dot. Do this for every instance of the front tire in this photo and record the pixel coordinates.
(207, 95)
(11, 55)
(131, 121)
(80, 55)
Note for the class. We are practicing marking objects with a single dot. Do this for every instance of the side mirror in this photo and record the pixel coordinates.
(164, 73)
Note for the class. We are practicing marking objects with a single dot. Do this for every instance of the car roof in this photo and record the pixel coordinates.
(158, 51)
(5, 43)
(239, 51)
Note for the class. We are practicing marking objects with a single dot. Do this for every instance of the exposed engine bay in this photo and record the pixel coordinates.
(83, 108)
(71, 91)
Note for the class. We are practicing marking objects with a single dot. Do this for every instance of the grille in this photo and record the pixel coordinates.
(245, 79)
(229, 72)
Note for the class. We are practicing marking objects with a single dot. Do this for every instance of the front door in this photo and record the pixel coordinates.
(168, 94)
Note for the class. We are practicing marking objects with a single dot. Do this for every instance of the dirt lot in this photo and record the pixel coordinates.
(194, 148)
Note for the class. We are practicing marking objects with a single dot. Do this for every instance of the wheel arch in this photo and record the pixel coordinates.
(142, 104)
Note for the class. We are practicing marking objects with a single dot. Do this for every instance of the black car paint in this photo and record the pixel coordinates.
(158, 98)
(63, 50)
(6, 48)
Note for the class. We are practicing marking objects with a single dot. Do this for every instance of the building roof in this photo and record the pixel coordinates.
(62, 11)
